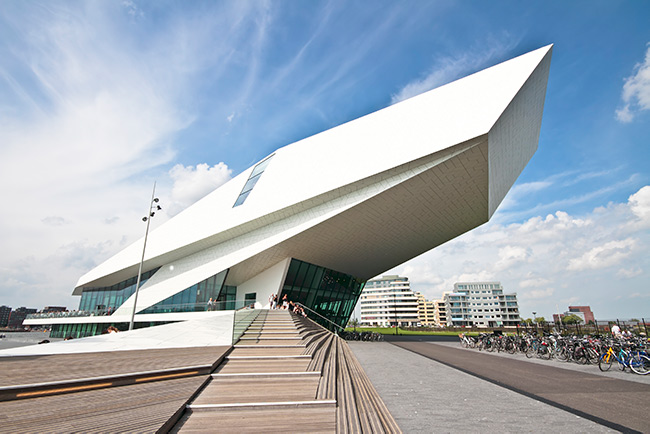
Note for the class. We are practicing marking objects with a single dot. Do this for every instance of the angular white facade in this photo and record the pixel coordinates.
(360, 198)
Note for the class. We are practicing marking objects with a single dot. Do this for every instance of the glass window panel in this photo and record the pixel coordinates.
(185, 297)
(177, 298)
(311, 271)
(219, 280)
(242, 197)
(318, 277)
(301, 275)
(293, 271)
(261, 167)
(250, 183)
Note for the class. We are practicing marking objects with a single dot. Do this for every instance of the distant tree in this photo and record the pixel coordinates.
(571, 319)
(528, 321)
(634, 320)
(540, 320)
(353, 323)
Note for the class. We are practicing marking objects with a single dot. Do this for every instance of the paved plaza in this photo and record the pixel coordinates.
(427, 396)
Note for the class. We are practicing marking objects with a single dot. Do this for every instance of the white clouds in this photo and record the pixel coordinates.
(448, 69)
(607, 255)
(548, 260)
(88, 114)
(636, 91)
(534, 282)
(192, 183)
(54, 221)
(629, 273)
(510, 256)
(536, 294)
(640, 204)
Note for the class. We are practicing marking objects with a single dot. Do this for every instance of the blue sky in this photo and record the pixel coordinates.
(99, 99)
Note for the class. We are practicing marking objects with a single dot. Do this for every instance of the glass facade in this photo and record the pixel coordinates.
(83, 330)
(110, 298)
(255, 176)
(195, 298)
(327, 292)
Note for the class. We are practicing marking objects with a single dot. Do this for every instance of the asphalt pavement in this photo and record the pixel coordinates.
(434, 387)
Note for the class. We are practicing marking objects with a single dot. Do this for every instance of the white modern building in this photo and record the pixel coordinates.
(440, 313)
(388, 302)
(317, 218)
(481, 304)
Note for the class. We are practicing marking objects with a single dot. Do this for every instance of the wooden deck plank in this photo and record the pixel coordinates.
(244, 390)
(38, 369)
(264, 351)
(241, 366)
(143, 407)
(313, 420)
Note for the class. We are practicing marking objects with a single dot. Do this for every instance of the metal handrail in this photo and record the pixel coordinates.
(329, 321)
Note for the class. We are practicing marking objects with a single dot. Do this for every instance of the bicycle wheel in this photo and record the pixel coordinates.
(544, 352)
(623, 360)
(605, 362)
(530, 351)
(640, 364)
(592, 356)
(579, 356)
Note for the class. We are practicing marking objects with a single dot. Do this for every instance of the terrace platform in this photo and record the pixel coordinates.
(286, 373)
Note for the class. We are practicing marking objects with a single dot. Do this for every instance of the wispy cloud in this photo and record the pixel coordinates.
(192, 183)
(636, 91)
(506, 215)
(89, 115)
(450, 68)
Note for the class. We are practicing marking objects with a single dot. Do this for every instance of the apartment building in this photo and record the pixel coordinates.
(440, 315)
(426, 311)
(481, 304)
(389, 301)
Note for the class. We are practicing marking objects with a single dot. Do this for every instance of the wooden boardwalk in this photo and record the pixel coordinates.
(286, 374)
(121, 391)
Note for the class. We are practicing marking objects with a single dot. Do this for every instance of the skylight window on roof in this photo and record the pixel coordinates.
(255, 176)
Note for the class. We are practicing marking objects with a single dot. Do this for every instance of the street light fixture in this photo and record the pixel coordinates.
(153, 207)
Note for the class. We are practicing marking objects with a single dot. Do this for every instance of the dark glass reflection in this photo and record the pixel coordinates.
(109, 298)
(195, 298)
(327, 292)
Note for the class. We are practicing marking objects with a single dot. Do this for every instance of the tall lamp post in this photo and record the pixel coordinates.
(535, 321)
(153, 207)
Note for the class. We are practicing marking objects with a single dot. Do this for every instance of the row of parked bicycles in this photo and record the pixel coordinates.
(603, 351)
(362, 336)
